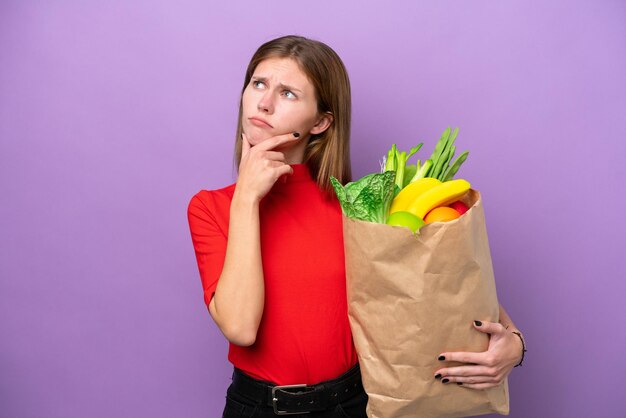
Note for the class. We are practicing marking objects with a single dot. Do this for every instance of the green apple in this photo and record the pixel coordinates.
(407, 219)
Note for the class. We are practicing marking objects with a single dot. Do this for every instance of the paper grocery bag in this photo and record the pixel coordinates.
(413, 296)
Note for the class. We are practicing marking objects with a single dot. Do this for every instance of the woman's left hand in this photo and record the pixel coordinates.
(485, 369)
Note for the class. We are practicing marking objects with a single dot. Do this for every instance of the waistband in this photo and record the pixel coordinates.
(299, 398)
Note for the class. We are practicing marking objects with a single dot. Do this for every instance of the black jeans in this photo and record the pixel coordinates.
(242, 405)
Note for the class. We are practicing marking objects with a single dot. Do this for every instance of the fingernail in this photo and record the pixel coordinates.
(446, 380)
(459, 383)
(438, 376)
(478, 323)
(296, 134)
(442, 358)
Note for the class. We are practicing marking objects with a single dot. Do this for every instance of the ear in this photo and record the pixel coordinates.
(322, 123)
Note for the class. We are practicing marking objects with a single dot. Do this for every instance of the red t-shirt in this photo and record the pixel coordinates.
(304, 335)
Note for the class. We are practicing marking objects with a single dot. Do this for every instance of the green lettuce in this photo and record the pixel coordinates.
(367, 199)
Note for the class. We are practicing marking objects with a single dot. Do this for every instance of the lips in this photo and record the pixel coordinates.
(260, 122)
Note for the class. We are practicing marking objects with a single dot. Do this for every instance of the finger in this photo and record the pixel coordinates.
(479, 385)
(464, 371)
(469, 379)
(464, 357)
(274, 156)
(284, 169)
(489, 327)
(245, 145)
(283, 172)
(277, 141)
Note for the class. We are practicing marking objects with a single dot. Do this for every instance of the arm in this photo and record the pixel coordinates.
(489, 368)
(238, 302)
(237, 305)
(506, 320)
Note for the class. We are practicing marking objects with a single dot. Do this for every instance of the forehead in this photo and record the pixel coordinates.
(283, 70)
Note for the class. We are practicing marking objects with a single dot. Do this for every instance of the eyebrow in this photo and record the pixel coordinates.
(264, 79)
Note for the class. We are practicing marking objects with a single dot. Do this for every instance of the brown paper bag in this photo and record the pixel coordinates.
(411, 297)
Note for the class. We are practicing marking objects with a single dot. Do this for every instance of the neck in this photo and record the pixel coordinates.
(295, 154)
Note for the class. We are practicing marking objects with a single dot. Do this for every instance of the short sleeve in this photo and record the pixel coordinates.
(209, 242)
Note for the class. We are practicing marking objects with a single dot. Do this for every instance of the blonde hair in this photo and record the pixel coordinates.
(328, 153)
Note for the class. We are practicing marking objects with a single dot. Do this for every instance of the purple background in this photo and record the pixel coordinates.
(113, 115)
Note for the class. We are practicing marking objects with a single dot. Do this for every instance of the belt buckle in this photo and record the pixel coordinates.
(275, 399)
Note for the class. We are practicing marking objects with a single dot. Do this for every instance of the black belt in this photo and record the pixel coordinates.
(299, 399)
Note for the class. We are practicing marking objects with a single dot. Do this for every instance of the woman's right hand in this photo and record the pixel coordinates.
(260, 166)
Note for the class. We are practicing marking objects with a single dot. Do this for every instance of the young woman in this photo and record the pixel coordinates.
(270, 248)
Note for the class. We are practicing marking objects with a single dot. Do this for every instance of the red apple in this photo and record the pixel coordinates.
(459, 206)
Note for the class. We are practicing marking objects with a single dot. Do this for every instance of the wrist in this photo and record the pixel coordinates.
(519, 334)
(240, 197)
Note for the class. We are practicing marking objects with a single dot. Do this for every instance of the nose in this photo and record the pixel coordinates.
(266, 103)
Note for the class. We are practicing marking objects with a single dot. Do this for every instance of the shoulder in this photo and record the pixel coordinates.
(209, 203)
(212, 198)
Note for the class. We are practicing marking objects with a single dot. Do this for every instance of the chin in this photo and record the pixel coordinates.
(256, 139)
(256, 135)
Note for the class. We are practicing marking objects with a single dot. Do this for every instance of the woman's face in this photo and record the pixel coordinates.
(280, 99)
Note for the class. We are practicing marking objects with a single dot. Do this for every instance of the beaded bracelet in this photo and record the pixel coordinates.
(523, 347)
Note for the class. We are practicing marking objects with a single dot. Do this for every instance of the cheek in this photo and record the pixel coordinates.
(299, 118)
(246, 101)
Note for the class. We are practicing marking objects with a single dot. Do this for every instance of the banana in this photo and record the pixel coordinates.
(440, 195)
(411, 192)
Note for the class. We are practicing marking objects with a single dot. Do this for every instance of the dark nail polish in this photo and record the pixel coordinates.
(438, 376)
(296, 134)
(446, 380)
(478, 323)
(441, 358)
(459, 383)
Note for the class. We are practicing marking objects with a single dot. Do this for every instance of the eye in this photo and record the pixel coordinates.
(287, 93)
(255, 83)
